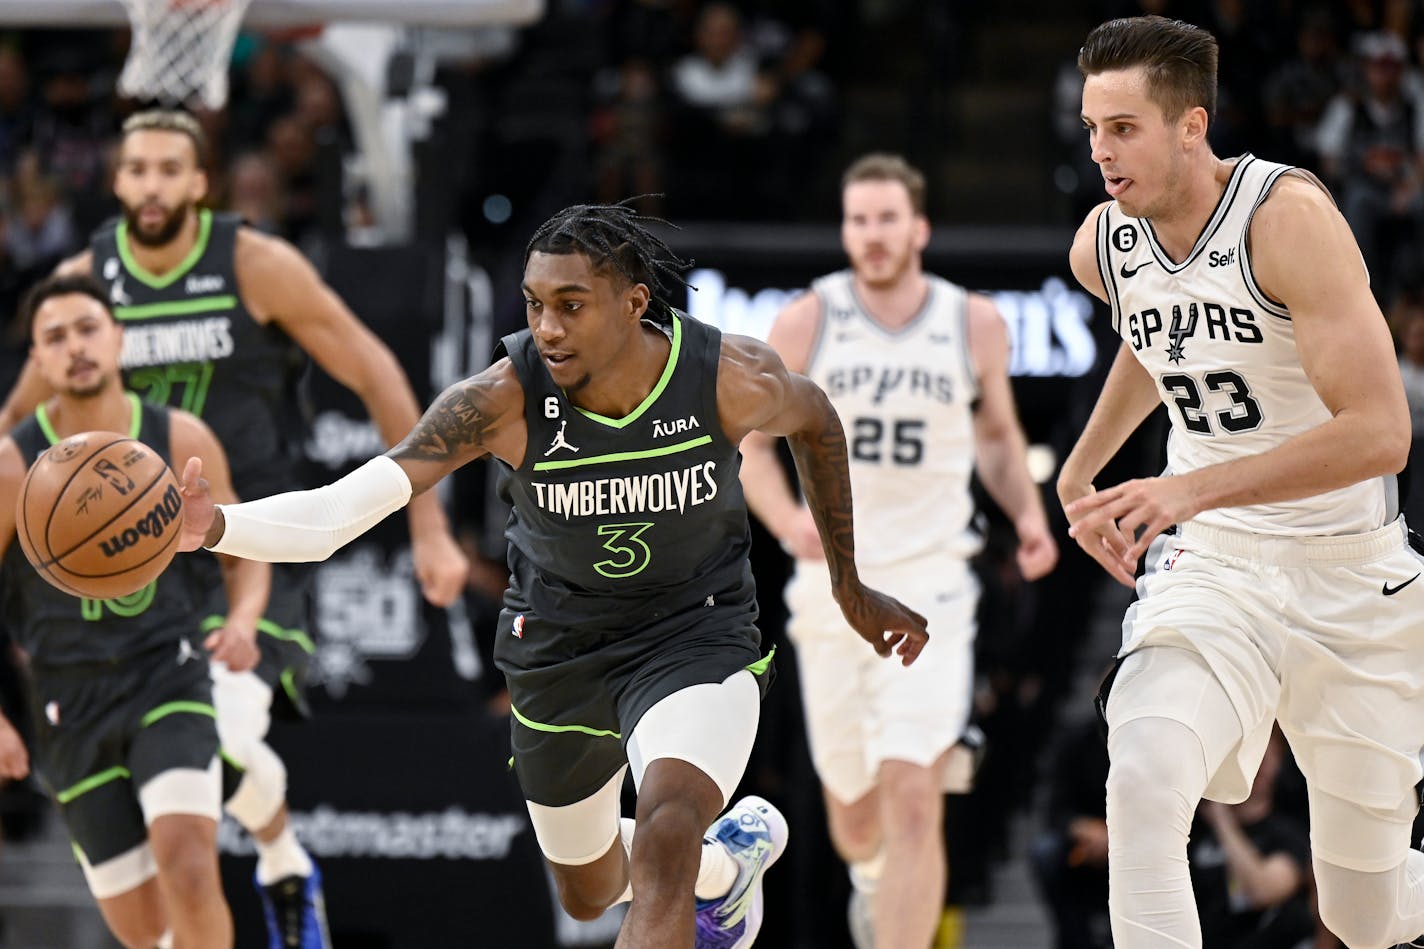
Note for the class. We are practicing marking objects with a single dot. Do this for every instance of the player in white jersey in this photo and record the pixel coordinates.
(917, 369)
(1287, 589)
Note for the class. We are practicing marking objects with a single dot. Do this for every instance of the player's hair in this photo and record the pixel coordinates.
(616, 237)
(170, 120)
(884, 166)
(1178, 58)
(60, 285)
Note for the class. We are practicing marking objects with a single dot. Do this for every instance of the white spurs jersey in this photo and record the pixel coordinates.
(905, 398)
(1224, 357)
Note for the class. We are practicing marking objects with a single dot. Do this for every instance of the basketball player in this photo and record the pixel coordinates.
(125, 735)
(219, 315)
(1280, 582)
(917, 370)
(628, 636)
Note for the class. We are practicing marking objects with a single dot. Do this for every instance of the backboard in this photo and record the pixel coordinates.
(83, 13)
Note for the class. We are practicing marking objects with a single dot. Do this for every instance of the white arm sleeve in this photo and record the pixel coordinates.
(302, 526)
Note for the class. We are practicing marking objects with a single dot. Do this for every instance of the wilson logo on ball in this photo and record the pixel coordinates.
(151, 524)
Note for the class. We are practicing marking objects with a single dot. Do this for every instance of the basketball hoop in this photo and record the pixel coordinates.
(181, 50)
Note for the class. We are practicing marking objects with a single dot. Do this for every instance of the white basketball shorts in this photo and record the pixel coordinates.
(862, 710)
(1325, 634)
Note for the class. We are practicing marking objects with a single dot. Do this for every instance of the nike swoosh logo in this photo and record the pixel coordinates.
(1391, 591)
(1128, 273)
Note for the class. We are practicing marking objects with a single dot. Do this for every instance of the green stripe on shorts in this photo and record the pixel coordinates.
(581, 729)
(176, 708)
(92, 782)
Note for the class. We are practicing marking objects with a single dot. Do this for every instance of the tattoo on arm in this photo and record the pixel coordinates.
(458, 421)
(824, 472)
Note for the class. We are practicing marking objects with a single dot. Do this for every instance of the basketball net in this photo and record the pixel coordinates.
(181, 50)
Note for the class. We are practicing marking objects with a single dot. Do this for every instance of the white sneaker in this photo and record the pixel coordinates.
(755, 834)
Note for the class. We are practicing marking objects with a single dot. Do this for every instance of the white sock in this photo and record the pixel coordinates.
(865, 874)
(626, 826)
(283, 857)
(165, 941)
(717, 873)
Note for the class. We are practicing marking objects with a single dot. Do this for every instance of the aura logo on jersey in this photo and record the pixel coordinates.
(675, 490)
(151, 523)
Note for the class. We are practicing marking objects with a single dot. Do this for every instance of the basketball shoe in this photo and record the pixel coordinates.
(295, 912)
(755, 834)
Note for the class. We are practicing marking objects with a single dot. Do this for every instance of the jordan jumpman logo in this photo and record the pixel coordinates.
(560, 441)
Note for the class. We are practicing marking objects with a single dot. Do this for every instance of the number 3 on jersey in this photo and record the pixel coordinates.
(631, 555)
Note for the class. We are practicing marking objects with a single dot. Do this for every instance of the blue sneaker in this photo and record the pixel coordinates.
(754, 833)
(295, 912)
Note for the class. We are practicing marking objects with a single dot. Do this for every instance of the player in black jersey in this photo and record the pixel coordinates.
(126, 737)
(628, 637)
(219, 320)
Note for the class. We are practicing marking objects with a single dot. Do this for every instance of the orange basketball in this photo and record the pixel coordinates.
(99, 514)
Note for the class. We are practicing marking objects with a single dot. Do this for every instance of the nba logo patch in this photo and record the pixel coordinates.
(1168, 564)
(518, 628)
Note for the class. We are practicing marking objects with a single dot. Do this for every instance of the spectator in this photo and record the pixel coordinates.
(1251, 866)
(1371, 145)
(255, 192)
(1297, 92)
(1070, 857)
(17, 109)
(628, 137)
(39, 228)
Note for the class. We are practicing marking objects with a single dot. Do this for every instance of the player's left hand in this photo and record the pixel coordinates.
(1038, 552)
(198, 507)
(884, 622)
(1142, 509)
(441, 567)
(234, 645)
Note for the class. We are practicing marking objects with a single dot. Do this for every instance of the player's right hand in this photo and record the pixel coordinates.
(198, 507)
(14, 757)
(884, 622)
(1104, 542)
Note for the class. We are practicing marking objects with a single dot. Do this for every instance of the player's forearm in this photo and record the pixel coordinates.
(765, 486)
(248, 584)
(1128, 397)
(1349, 448)
(305, 526)
(824, 474)
(1003, 471)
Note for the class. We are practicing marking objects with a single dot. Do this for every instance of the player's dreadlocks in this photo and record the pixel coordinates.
(613, 235)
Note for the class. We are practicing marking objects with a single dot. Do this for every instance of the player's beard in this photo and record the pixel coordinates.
(890, 271)
(92, 391)
(167, 231)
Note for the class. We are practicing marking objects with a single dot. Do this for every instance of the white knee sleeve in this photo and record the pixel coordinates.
(711, 726)
(263, 789)
(1372, 910)
(1155, 782)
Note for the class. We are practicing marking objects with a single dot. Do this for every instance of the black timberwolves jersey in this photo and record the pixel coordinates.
(613, 518)
(58, 629)
(189, 342)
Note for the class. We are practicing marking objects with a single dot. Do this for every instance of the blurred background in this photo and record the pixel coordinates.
(411, 162)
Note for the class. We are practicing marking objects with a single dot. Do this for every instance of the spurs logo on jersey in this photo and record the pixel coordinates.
(1224, 356)
(905, 400)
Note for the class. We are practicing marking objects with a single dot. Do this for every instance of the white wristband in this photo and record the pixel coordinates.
(302, 526)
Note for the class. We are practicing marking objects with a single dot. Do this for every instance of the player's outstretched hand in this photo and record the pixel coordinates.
(198, 507)
(885, 623)
(14, 758)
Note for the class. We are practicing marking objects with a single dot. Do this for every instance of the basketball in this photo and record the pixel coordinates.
(99, 515)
